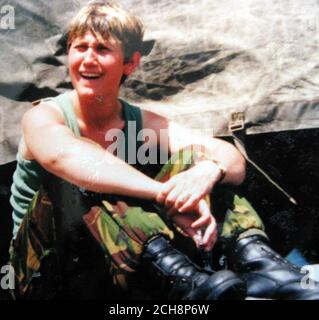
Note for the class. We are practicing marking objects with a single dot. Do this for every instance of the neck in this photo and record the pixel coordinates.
(97, 111)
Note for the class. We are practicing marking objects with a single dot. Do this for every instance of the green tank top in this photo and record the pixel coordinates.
(29, 175)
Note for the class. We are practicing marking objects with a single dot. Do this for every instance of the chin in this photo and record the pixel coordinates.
(87, 93)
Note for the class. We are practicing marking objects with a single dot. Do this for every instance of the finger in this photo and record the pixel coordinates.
(190, 203)
(171, 211)
(211, 242)
(181, 199)
(205, 215)
(202, 221)
(171, 198)
(210, 235)
(203, 209)
(197, 237)
(167, 187)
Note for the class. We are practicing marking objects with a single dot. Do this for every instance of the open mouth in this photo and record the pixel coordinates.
(90, 76)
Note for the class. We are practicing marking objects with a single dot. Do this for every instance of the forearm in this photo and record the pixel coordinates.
(215, 149)
(222, 160)
(89, 166)
(228, 157)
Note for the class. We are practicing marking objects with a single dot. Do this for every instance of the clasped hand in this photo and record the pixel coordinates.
(184, 196)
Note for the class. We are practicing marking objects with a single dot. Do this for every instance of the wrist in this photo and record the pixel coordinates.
(201, 157)
(158, 188)
(218, 171)
(148, 190)
(222, 169)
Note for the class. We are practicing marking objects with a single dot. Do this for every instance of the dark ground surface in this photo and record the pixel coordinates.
(291, 158)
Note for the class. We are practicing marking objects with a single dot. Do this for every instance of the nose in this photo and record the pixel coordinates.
(90, 56)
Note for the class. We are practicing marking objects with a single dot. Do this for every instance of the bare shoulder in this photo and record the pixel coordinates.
(42, 114)
(35, 123)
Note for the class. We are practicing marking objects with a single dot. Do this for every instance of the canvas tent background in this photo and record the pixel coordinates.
(209, 60)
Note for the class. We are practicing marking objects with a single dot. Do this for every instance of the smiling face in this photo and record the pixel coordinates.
(104, 45)
(96, 67)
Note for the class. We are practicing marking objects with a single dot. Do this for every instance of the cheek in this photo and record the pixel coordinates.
(116, 64)
(73, 68)
(73, 60)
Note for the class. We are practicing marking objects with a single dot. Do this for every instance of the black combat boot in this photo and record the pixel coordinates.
(174, 276)
(267, 274)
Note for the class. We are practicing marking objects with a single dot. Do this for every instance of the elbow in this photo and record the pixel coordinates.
(240, 171)
(53, 163)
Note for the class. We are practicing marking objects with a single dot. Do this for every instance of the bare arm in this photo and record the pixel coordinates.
(80, 161)
(175, 137)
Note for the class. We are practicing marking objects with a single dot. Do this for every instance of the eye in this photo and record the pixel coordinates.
(103, 48)
(80, 47)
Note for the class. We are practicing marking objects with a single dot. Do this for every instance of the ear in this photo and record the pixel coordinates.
(130, 66)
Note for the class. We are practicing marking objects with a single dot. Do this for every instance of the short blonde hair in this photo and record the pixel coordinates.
(107, 19)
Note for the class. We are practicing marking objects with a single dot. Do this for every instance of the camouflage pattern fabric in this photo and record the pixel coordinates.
(240, 216)
(120, 229)
(121, 232)
(35, 241)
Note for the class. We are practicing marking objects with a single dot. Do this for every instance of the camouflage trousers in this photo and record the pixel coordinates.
(117, 226)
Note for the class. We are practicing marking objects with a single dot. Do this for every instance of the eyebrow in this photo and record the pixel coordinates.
(83, 40)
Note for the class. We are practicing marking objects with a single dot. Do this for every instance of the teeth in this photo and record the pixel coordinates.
(90, 75)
